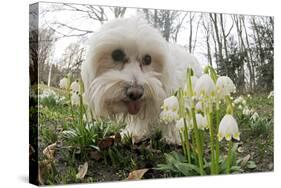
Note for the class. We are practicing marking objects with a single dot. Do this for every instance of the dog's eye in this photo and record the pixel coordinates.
(118, 55)
(146, 60)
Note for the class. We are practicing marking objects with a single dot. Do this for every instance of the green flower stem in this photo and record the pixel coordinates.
(186, 141)
(211, 131)
(198, 142)
(193, 145)
(183, 144)
(81, 110)
(229, 156)
(216, 139)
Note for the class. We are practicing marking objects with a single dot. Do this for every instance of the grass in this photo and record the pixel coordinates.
(110, 159)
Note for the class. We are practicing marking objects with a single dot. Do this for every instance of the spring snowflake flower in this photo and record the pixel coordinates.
(201, 122)
(225, 86)
(75, 86)
(238, 100)
(171, 104)
(199, 106)
(75, 98)
(168, 116)
(180, 124)
(271, 94)
(247, 111)
(205, 86)
(228, 128)
(255, 116)
(63, 83)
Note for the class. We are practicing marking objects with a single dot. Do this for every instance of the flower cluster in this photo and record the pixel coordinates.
(170, 109)
(205, 90)
(195, 109)
(49, 93)
(74, 89)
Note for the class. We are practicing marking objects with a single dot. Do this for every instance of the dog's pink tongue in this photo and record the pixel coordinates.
(134, 107)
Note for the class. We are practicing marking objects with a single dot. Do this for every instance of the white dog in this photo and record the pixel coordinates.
(129, 70)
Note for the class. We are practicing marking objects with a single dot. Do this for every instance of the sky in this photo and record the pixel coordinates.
(80, 20)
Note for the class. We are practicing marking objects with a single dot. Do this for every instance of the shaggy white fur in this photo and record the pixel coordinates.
(130, 53)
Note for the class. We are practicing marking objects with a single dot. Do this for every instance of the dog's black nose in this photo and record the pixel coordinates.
(135, 92)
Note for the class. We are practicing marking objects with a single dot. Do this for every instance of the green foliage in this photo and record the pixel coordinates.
(262, 126)
(177, 165)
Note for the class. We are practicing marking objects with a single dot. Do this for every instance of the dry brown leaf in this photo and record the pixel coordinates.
(106, 143)
(44, 166)
(245, 160)
(116, 137)
(49, 151)
(137, 174)
(82, 171)
(95, 155)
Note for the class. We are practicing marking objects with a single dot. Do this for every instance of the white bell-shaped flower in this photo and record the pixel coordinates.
(205, 86)
(238, 100)
(201, 122)
(180, 124)
(75, 98)
(75, 86)
(63, 83)
(171, 104)
(225, 86)
(255, 116)
(199, 106)
(228, 128)
(246, 111)
(168, 116)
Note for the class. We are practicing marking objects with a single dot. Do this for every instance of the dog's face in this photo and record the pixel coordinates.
(126, 67)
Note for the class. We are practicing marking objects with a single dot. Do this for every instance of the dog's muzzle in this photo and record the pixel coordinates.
(134, 94)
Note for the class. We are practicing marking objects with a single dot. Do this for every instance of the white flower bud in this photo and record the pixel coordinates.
(63, 83)
(204, 86)
(171, 104)
(75, 86)
(255, 116)
(201, 122)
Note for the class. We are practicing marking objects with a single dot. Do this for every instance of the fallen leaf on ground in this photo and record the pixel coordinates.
(49, 151)
(44, 167)
(137, 174)
(106, 143)
(95, 155)
(82, 171)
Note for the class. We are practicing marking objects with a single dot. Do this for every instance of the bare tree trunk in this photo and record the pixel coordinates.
(209, 53)
(167, 25)
(242, 49)
(258, 41)
(190, 32)
(218, 40)
(50, 74)
(224, 36)
(196, 32)
(250, 63)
